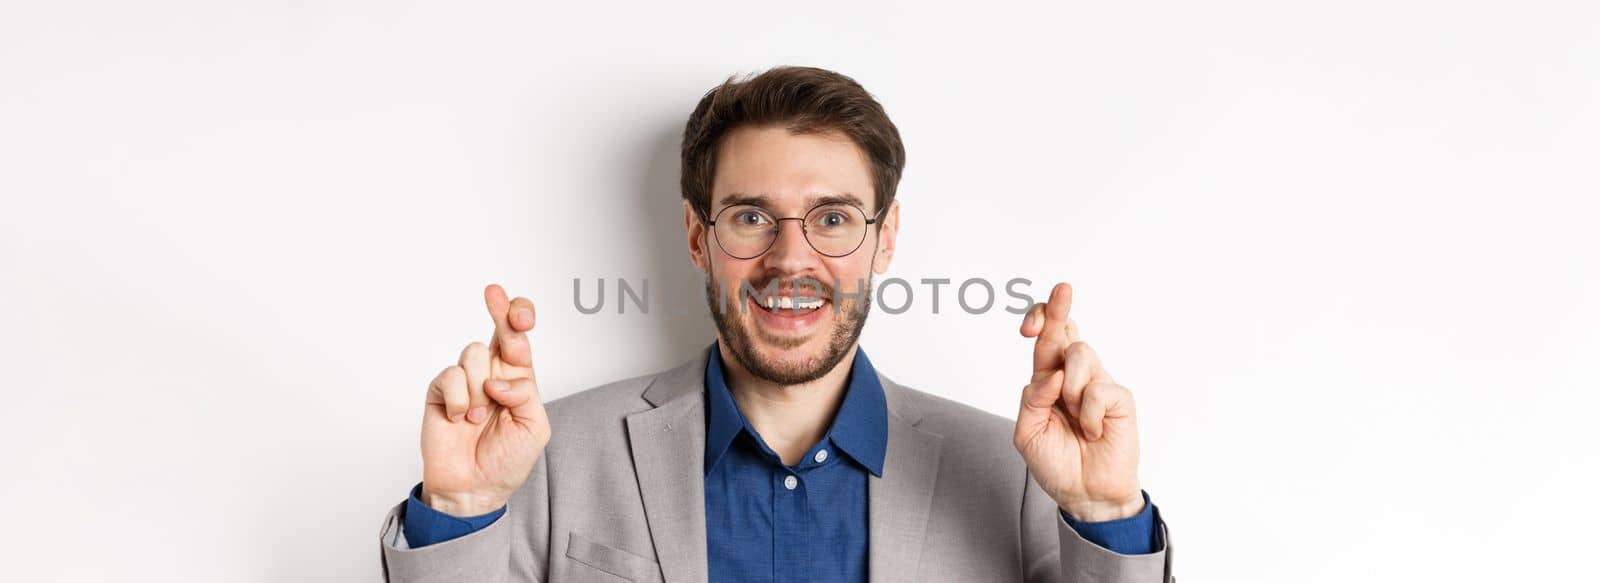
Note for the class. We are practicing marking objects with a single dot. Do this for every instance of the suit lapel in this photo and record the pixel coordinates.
(898, 502)
(668, 444)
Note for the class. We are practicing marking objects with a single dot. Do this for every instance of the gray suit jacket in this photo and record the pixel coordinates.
(618, 495)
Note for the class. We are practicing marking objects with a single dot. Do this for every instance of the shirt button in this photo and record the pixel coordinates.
(790, 482)
(822, 455)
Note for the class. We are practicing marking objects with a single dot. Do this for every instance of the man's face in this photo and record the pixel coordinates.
(788, 175)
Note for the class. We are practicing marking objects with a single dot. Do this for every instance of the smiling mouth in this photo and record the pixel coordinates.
(791, 303)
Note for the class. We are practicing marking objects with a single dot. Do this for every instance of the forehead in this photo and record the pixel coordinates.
(789, 172)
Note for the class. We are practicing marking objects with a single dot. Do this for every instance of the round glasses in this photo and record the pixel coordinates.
(745, 231)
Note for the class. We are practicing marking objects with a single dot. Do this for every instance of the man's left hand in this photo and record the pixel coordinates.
(1076, 429)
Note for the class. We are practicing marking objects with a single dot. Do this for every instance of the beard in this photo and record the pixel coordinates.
(849, 318)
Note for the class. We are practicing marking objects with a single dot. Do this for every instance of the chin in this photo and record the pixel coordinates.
(786, 346)
(785, 358)
(787, 354)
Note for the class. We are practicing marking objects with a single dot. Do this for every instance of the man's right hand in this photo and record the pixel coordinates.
(483, 426)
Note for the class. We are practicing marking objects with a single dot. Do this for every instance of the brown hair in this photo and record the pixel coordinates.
(803, 100)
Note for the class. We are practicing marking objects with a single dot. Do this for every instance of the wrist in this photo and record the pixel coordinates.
(1102, 510)
(461, 504)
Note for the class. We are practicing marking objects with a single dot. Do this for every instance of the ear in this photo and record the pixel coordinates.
(886, 237)
(696, 232)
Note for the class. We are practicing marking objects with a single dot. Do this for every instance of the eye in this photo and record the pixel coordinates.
(832, 218)
(749, 218)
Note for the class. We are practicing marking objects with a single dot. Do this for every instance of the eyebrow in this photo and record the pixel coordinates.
(765, 201)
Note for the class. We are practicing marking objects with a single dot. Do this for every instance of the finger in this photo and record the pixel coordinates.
(1038, 406)
(449, 389)
(512, 320)
(475, 361)
(1053, 336)
(521, 316)
(512, 342)
(1043, 392)
(1033, 321)
(1102, 401)
(520, 397)
(1080, 362)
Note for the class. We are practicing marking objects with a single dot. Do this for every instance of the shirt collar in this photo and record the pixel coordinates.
(860, 428)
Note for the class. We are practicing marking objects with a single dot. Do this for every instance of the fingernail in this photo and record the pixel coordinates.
(522, 315)
(477, 414)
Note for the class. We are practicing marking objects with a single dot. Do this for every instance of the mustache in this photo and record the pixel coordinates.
(786, 286)
(803, 286)
(726, 296)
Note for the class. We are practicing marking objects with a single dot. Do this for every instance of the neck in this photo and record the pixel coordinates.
(790, 418)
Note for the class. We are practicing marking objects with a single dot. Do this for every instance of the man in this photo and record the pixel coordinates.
(780, 453)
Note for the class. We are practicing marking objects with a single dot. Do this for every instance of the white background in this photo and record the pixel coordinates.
(1343, 252)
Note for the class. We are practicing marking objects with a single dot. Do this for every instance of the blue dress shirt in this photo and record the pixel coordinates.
(766, 521)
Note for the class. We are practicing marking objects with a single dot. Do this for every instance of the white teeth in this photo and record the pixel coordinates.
(791, 303)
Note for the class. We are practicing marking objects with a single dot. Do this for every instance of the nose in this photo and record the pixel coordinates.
(790, 253)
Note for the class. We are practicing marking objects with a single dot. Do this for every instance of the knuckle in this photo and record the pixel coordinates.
(475, 356)
(1109, 391)
(453, 376)
(1078, 370)
(449, 377)
(455, 397)
(1125, 396)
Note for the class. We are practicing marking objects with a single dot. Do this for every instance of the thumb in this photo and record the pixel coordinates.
(1038, 397)
(1043, 391)
(519, 396)
(1038, 404)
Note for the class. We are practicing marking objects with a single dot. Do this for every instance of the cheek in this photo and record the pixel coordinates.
(731, 271)
(852, 273)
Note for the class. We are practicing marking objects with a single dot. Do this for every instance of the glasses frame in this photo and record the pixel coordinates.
(777, 228)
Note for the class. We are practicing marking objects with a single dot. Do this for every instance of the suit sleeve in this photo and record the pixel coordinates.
(1055, 552)
(1134, 535)
(514, 547)
(421, 525)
